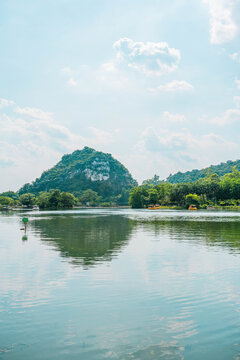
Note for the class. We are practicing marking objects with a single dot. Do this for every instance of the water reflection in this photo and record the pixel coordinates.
(161, 299)
(225, 233)
(24, 238)
(90, 239)
(86, 240)
(154, 352)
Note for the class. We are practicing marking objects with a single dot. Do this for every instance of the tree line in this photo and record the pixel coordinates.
(56, 199)
(210, 190)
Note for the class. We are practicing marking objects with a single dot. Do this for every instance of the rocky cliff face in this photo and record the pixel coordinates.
(84, 169)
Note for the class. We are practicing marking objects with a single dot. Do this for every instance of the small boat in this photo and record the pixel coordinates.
(210, 208)
(35, 207)
(192, 207)
(154, 207)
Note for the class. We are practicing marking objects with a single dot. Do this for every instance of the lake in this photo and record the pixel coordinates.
(120, 284)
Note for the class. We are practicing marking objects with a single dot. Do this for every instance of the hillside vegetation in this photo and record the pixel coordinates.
(194, 175)
(91, 178)
(210, 190)
(85, 169)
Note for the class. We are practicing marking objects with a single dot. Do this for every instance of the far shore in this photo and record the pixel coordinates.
(174, 207)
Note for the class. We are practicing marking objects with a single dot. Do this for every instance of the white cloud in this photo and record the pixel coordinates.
(222, 25)
(109, 67)
(230, 116)
(237, 82)
(236, 100)
(5, 103)
(175, 118)
(150, 58)
(72, 76)
(165, 151)
(110, 76)
(106, 76)
(101, 136)
(173, 86)
(34, 113)
(67, 70)
(235, 56)
(32, 141)
(165, 141)
(72, 82)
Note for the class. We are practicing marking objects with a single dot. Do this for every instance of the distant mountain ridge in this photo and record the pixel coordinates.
(84, 169)
(194, 175)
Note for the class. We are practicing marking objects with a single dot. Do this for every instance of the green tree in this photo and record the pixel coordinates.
(122, 199)
(138, 197)
(6, 200)
(54, 198)
(152, 196)
(67, 200)
(164, 191)
(178, 193)
(10, 194)
(27, 199)
(42, 200)
(192, 199)
(154, 181)
(90, 197)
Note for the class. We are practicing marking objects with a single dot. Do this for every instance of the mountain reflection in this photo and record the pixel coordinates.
(86, 240)
(89, 239)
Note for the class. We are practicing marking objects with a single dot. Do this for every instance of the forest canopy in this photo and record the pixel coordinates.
(209, 190)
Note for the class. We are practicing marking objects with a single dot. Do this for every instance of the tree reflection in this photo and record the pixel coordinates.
(89, 239)
(215, 232)
(86, 240)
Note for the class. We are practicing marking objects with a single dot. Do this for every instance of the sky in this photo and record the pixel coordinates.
(155, 83)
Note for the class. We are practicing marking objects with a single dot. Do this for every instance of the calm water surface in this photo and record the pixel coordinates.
(120, 284)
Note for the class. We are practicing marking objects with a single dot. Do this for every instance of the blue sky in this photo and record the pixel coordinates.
(155, 83)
